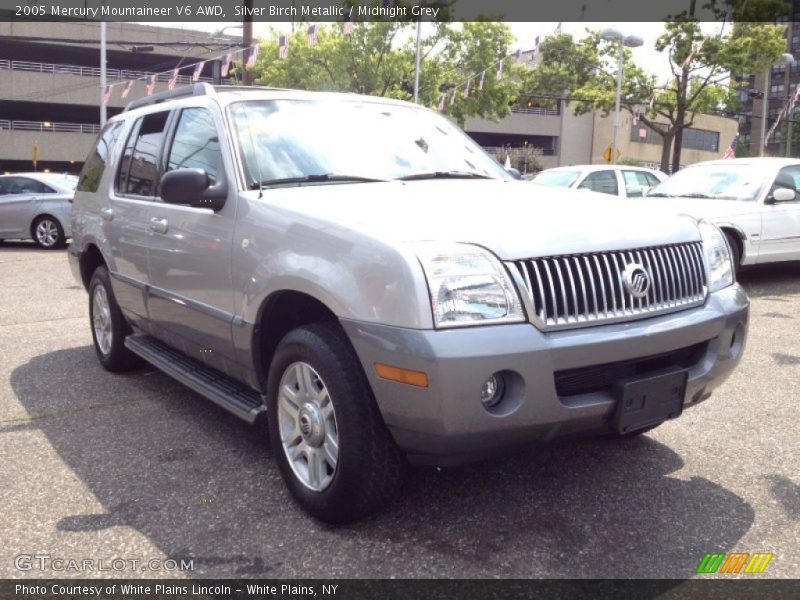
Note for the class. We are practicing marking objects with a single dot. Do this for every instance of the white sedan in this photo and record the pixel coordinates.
(617, 180)
(36, 206)
(753, 200)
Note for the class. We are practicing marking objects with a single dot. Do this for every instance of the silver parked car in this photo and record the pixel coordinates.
(359, 273)
(617, 180)
(36, 206)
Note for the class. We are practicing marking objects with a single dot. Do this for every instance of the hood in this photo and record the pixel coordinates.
(703, 208)
(512, 219)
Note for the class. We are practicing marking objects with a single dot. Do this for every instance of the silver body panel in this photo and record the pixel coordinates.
(200, 284)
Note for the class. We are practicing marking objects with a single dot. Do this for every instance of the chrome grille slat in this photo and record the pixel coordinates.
(586, 289)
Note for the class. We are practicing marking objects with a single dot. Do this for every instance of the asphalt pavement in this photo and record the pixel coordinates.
(97, 467)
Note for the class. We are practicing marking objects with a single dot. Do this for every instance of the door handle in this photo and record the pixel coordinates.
(159, 225)
(107, 214)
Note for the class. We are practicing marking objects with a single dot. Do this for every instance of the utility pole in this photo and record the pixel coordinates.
(103, 81)
(247, 40)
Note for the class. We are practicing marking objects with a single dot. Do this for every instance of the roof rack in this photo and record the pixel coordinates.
(198, 89)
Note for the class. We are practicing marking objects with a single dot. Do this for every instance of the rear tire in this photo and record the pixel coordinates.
(48, 233)
(109, 327)
(344, 463)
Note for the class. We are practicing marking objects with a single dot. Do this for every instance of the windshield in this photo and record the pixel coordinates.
(719, 181)
(557, 178)
(62, 180)
(312, 142)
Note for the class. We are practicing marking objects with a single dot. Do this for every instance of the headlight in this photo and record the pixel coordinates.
(468, 286)
(719, 271)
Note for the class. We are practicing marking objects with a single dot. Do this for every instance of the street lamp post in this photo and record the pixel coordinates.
(631, 41)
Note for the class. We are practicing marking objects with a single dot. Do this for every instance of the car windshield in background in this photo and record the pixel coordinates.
(557, 178)
(724, 182)
(297, 142)
(67, 182)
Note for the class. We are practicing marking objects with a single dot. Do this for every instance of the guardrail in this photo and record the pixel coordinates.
(124, 74)
(49, 126)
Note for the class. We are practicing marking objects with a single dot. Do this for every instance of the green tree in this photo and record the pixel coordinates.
(378, 59)
(700, 65)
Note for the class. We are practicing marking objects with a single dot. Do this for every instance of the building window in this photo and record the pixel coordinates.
(697, 139)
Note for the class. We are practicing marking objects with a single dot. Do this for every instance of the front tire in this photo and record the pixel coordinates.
(109, 327)
(48, 233)
(326, 431)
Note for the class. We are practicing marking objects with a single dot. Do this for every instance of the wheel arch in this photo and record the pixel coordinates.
(732, 232)
(90, 259)
(41, 216)
(279, 313)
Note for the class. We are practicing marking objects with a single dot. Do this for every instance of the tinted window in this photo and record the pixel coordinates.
(96, 163)
(139, 167)
(196, 144)
(21, 185)
(788, 177)
(604, 182)
(652, 180)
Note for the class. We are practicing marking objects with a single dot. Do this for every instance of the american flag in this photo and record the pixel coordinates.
(536, 48)
(312, 35)
(518, 55)
(226, 65)
(480, 81)
(441, 103)
(500, 70)
(283, 46)
(557, 30)
(466, 90)
(173, 80)
(347, 27)
(730, 151)
(252, 55)
(198, 68)
(107, 94)
(151, 86)
(453, 96)
(126, 90)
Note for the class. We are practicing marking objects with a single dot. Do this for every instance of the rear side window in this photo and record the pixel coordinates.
(138, 174)
(604, 182)
(95, 164)
(196, 143)
(22, 185)
(635, 182)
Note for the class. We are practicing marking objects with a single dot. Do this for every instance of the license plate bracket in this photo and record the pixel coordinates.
(644, 401)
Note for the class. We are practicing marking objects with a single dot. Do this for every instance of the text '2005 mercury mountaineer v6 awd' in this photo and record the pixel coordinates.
(361, 274)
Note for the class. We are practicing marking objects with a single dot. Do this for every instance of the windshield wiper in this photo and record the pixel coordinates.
(321, 178)
(444, 175)
(696, 195)
(659, 195)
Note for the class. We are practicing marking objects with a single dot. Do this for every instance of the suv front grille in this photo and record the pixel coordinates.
(589, 289)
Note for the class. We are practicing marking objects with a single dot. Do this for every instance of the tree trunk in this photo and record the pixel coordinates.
(680, 115)
(667, 143)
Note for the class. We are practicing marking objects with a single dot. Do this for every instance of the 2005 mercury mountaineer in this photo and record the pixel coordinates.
(363, 275)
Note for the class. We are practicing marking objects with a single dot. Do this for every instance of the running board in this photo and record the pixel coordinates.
(228, 393)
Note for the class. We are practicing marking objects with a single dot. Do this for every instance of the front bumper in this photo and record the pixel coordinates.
(446, 423)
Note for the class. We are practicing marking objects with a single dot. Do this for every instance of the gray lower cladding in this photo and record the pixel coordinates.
(446, 423)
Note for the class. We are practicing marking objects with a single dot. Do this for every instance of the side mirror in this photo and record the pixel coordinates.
(193, 187)
(782, 194)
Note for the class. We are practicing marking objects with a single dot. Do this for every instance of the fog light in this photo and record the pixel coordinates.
(492, 390)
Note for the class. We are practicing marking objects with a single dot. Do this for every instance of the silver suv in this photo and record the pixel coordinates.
(361, 274)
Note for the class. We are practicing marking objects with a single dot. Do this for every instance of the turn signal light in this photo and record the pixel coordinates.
(417, 378)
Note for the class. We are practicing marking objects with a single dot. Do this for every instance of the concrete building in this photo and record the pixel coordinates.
(50, 94)
(566, 139)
